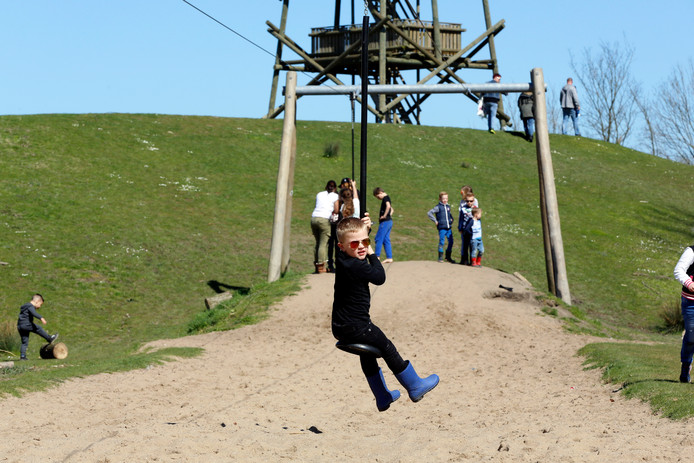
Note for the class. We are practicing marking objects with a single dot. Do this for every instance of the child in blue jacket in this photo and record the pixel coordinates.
(442, 217)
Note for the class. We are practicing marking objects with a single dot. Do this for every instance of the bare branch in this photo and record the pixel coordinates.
(674, 110)
(608, 90)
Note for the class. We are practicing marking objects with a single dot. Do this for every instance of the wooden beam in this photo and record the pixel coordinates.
(278, 57)
(282, 192)
(322, 71)
(443, 65)
(555, 255)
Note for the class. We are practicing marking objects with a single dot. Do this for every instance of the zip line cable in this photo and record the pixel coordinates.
(239, 34)
(352, 97)
(228, 28)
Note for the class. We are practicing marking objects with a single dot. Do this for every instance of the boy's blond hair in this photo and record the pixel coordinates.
(350, 225)
(441, 195)
(476, 210)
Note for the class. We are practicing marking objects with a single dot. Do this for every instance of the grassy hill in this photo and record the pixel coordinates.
(125, 223)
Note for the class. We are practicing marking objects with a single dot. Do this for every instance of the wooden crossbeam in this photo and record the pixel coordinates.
(323, 71)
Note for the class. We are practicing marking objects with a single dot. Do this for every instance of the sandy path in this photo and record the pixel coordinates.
(512, 390)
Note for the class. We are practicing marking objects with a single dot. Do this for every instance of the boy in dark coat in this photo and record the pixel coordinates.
(357, 266)
(26, 325)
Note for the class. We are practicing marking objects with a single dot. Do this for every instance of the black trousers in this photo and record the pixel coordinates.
(24, 333)
(465, 251)
(373, 336)
(332, 245)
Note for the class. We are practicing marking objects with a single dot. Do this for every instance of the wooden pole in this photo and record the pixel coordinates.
(286, 248)
(492, 55)
(278, 57)
(549, 261)
(544, 158)
(437, 29)
(283, 180)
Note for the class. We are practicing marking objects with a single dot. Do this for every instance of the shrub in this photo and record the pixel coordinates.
(331, 150)
(671, 314)
(9, 338)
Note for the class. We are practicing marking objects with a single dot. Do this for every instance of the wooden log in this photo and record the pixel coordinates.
(54, 351)
(212, 302)
(6, 364)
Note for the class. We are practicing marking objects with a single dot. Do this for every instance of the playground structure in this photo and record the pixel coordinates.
(400, 44)
(553, 244)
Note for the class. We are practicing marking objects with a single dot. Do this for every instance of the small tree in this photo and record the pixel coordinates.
(649, 133)
(674, 110)
(607, 91)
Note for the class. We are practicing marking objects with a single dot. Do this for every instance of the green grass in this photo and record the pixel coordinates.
(645, 372)
(246, 307)
(126, 223)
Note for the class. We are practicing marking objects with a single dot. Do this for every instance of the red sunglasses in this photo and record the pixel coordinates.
(355, 244)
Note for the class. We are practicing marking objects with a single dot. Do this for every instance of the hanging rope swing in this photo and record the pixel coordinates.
(364, 104)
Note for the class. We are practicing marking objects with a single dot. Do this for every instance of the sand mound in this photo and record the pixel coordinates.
(512, 389)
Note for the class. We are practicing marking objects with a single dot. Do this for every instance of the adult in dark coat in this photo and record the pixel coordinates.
(526, 105)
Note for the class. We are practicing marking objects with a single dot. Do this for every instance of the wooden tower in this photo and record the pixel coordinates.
(401, 45)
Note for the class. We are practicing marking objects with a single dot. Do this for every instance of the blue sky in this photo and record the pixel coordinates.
(162, 56)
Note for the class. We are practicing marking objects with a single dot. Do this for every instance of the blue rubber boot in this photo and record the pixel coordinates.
(416, 386)
(384, 397)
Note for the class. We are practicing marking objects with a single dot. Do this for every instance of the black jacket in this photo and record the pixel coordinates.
(352, 298)
(27, 313)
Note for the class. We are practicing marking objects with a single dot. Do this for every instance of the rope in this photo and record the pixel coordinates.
(352, 98)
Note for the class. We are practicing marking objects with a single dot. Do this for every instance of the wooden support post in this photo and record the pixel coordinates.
(448, 64)
(549, 261)
(278, 57)
(548, 190)
(282, 194)
(499, 114)
(437, 29)
(286, 248)
(275, 32)
(495, 65)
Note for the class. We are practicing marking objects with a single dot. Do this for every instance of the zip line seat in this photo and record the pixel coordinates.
(359, 349)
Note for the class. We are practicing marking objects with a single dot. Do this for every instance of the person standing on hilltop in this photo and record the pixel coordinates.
(491, 103)
(526, 105)
(569, 106)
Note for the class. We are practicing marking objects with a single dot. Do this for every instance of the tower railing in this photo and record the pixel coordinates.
(331, 41)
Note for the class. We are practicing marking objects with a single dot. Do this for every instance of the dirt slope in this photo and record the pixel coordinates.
(512, 390)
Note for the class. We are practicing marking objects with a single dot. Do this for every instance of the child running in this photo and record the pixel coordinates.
(356, 267)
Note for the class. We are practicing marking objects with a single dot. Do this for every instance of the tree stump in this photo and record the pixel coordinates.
(214, 301)
(54, 351)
